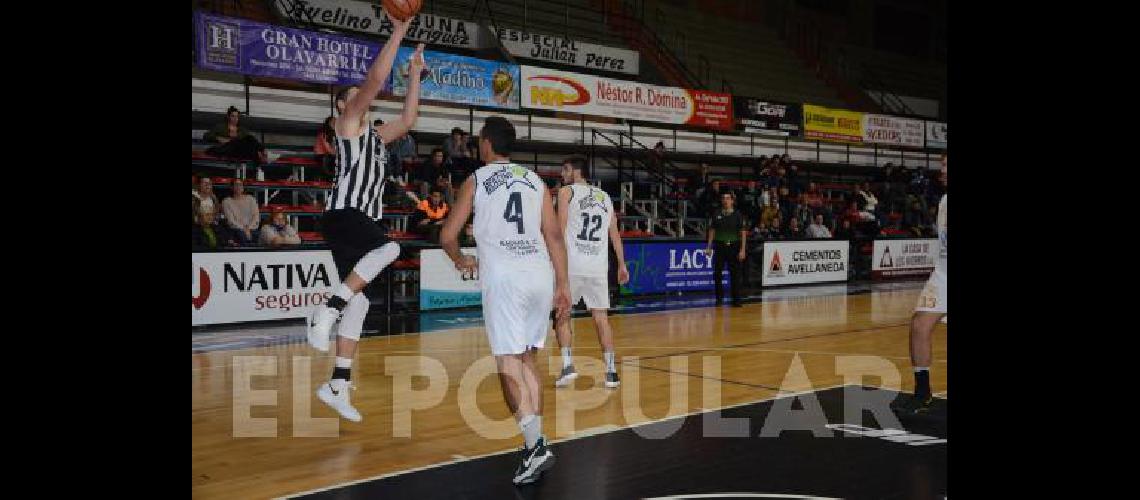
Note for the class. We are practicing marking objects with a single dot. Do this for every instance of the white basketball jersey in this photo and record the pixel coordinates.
(508, 218)
(940, 264)
(587, 230)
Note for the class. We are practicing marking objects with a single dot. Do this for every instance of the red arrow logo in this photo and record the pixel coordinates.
(203, 289)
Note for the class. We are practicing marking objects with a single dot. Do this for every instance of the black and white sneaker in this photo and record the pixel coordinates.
(533, 462)
(612, 380)
(568, 375)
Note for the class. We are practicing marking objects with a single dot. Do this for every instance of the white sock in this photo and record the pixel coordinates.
(344, 292)
(531, 426)
(921, 369)
(567, 359)
(609, 355)
(343, 362)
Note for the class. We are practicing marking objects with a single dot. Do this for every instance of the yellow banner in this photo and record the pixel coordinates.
(832, 124)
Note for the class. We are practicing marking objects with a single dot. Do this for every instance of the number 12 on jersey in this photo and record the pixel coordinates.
(586, 218)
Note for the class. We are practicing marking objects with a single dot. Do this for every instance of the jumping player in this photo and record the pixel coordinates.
(360, 248)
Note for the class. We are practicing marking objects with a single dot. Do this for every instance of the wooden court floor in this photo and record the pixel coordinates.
(430, 398)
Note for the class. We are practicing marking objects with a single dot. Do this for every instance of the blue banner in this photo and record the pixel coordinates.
(251, 48)
(459, 79)
(668, 266)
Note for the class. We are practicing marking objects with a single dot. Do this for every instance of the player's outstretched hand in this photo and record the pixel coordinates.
(416, 65)
(623, 275)
(562, 302)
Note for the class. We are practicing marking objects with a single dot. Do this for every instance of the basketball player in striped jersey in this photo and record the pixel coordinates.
(586, 215)
(360, 248)
(930, 309)
(522, 272)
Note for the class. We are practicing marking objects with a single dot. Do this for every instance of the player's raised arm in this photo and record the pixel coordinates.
(357, 105)
(619, 251)
(394, 129)
(460, 212)
(556, 245)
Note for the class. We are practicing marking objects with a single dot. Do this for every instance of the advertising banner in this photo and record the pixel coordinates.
(251, 48)
(458, 79)
(668, 266)
(832, 124)
(230, 287)
(892, 130)
(902, 258)
(560, 50)
(369, 17)
(441, 286)
(792, 262)
(782, 119)
(593, 95)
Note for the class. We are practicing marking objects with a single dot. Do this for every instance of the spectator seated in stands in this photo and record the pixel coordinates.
(813, 199)
(234, 141)
(775, 230)
(794, 231)
(758, 169)
(242, 214)
(207, 234)
(194, 199)
(750, 197)
(867, 200)
(844, 231)
(401, 150)
(457, 149)
(277, 232)
(785, 201)
(444, 185)
(709, 199)
(426, 175)
(769, 212)
(817, 230)
(205, 195)
(432, 212)
(794, 179)
(759, 232)
(914, 220)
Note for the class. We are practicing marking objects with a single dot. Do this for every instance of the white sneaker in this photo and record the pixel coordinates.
(320, 327)
(338, 400)
(568, 375)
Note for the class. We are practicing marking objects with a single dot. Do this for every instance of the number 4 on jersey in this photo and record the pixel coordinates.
(514, 212)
